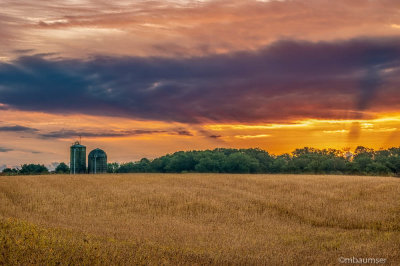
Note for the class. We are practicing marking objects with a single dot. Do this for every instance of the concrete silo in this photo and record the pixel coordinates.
(97, 162)
(78, 158)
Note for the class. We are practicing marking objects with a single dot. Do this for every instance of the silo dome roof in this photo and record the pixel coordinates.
(77, 145)
(98, 153)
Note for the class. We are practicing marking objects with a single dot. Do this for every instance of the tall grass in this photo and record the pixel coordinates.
(198, 219)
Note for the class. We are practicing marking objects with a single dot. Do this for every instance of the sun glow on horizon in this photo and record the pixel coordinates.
(128, 140)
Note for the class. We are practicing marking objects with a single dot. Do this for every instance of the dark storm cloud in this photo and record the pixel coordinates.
(111, 134)
(286, 80)
(23, 51)
(73, 133)
(183, 132)
(2, 149)
(17, 128)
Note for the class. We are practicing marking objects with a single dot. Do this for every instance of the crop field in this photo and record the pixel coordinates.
(198, 219)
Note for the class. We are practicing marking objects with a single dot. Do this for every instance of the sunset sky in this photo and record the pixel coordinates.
(145, 78)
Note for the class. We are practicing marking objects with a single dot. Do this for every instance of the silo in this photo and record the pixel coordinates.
(78, 158)
(97, 162)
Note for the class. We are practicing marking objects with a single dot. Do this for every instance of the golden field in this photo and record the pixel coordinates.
(198, 219)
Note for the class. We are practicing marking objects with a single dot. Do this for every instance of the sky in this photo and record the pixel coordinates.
(145, 78)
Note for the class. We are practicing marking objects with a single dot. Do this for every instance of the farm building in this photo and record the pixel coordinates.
(97, 162)
(78, 158)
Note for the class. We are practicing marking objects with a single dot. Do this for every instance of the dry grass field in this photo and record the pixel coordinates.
(198, 219)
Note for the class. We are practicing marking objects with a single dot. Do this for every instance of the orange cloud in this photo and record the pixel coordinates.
(170, 28)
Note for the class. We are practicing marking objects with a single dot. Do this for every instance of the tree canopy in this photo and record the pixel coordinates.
(33, 169)
(363, 161)
(62, 168)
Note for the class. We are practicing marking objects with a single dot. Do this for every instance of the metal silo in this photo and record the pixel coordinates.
(97, 162)
(78, 158)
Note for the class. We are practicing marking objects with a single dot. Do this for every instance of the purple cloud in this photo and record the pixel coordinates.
(286, 80)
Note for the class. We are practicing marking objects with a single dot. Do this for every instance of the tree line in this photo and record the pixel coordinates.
(35, 169)
(363, 161)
